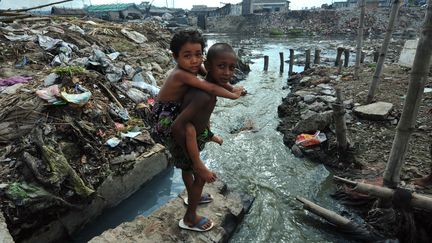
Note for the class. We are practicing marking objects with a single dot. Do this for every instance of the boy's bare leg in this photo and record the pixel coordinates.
(188, 180)
(193, 152)
(194, 194)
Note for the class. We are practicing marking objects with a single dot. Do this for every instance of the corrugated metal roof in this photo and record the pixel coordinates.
(109, 7)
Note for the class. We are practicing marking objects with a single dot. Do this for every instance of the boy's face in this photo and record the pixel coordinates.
(221, 68)
(190, 57)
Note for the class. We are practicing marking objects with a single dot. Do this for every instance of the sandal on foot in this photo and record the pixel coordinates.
(198, 226)
(205, 198)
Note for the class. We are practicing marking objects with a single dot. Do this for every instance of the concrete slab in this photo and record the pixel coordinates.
(227, 211)
(407, 55)
(375, 111)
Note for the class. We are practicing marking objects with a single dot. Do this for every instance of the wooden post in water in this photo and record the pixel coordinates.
(308, 59)
(362, 58)
(291, 61)
(317, 57)
(266, 62)
(340, 124)
(376, 56)
(347, 56)
(281, 56)
(339, 55)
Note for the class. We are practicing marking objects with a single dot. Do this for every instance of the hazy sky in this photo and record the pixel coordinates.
(186, 4)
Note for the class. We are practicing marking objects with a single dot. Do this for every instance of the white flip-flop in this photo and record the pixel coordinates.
(198, 226)
(205, 198)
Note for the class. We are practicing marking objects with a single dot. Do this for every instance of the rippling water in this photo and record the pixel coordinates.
(254, 161)
(258, 162)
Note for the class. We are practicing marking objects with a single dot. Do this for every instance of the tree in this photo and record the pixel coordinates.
(383, 52)
(362, 4)
(414, 95)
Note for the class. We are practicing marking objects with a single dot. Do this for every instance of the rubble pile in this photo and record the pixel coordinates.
(321, 22)
(74, 103)
(371, 127)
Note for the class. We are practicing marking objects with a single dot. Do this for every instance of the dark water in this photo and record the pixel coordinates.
(254, 161)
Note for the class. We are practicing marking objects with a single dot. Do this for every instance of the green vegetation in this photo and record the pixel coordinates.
(16, 191)
(276, 31)
(295, 31)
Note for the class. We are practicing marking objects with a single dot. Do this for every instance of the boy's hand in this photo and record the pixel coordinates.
(205, 174)
(217, 139)
(240, 89)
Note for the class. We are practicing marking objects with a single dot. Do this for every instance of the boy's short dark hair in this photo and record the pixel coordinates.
(184, 36)
(218, 48)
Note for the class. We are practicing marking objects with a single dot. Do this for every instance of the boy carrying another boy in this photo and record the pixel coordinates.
(187, 48)
(191, 131)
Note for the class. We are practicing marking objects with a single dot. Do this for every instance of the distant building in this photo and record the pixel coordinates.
(344, 4)
(247, 7)
(370, 4)
(270, 6)
(228, 9)
(200, 9)
(115, 12)
(68, 12)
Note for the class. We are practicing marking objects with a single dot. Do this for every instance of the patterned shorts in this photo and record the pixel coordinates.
(180, 159)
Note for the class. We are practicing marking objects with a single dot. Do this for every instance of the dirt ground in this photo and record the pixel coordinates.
(372, 140)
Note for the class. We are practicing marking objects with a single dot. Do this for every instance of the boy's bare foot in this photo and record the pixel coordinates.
(217, 139)
(206, 174)
(425, 181)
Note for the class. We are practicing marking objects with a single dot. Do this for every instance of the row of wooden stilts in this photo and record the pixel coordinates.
(317, 59)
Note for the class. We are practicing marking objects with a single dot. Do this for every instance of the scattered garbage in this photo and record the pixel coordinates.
(14, 80)
(79, 99)
(82, 100)
(307, 140)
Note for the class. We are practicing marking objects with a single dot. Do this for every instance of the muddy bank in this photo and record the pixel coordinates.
(308, 109)
(342, 22)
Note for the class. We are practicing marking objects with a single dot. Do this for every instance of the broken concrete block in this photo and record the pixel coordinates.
(375, 111)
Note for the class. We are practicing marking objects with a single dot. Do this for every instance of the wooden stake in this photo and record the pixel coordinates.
(317, 57)
(308, 59)
(330, 216)
(417, 201)
(281, 57)
(339, 55)
(347, 56)
(291, 61)
(266, 62)
(340, 124)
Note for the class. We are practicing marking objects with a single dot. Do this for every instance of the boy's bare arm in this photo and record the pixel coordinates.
(211, 88)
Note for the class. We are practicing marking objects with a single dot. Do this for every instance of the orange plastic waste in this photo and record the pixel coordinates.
(307, 140)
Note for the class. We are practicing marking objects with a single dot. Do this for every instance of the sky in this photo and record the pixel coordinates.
(185, 4)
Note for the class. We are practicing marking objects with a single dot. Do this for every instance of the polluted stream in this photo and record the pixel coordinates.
(252, 159)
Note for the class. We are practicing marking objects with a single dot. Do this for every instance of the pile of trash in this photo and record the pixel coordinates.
(74, 98)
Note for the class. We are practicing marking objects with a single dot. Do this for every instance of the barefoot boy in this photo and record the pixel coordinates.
(190, 131)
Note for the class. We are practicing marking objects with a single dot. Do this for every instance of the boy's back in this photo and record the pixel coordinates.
(197, 108)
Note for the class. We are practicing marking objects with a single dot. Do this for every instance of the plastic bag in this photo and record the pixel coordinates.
(307, 140)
